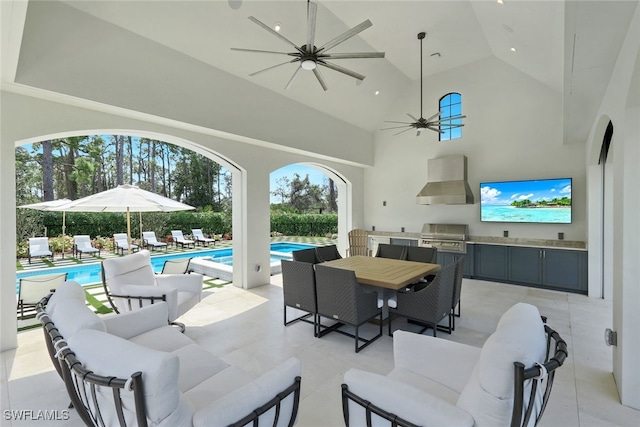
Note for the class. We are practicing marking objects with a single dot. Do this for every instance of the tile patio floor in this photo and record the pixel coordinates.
(244, 327)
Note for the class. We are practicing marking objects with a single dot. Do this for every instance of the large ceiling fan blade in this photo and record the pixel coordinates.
(320, 78)
(342, 70)
(405, 123)
(435, 129)
(434, 116)
(345, 36)
(396, 127)
(355, 55)
(312, 10)
(402, 131)
(418, 133)
(293, 77)
(259, 51)
(275, 66)
(412, 117)
(274, 32)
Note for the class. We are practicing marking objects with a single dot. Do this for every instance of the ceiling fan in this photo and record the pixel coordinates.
(308, 56)
(429, 123)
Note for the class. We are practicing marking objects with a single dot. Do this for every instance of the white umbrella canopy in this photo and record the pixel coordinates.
(125, 198)
(52, 205)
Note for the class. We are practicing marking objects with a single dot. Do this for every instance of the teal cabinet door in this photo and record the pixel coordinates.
(566, 270)
(490, 262)
(525, 265)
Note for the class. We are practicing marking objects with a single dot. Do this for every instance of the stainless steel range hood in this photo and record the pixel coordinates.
(446, 182)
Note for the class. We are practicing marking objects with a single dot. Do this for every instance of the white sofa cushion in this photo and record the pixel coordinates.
(71, 315)
(404, 400)
(520, 337)
(133, 269)
(108, 355)
(166, 338)
(67, 290)
(196, 365)
(236, 405)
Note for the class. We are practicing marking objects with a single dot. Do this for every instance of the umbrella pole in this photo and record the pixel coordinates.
(141, 239)
(128, 231)
(64, 226)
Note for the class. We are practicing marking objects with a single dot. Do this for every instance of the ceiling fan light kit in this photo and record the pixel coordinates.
(434, 122)
(308, 57)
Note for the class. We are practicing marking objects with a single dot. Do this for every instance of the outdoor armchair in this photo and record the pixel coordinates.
(121, 242)
(39, 247)
(130, 283)
(149, 240)
(82, 245)
(200, 237)
(32, 289)
(437, 382)
(178, 239)
(358, 243)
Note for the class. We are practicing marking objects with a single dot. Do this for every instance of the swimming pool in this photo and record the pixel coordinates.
(90, 273)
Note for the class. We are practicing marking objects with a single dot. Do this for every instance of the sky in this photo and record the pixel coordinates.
(503, 193)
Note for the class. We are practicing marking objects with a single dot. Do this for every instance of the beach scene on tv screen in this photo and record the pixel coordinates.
(545, 201)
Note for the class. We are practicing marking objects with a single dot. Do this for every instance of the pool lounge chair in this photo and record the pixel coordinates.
(39, 247)
(32, 289)
(200, 238)
(149, 240)
(178, 239)
(82, 245)
(176, 266)
(121, 243)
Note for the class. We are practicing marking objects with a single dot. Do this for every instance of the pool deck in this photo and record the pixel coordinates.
(216, 274)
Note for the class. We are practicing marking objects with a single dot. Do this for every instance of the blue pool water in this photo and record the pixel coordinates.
(90, 273)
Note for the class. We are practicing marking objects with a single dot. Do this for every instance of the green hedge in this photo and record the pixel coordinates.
(108, 223)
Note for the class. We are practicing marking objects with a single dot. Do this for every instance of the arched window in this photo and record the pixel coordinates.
(451, 107)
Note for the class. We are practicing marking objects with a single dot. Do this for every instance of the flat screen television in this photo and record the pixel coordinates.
(530, 201)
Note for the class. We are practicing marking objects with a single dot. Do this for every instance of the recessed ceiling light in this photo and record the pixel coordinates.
(377, 92)
(513, 49)
(500, 1)
(277, 26)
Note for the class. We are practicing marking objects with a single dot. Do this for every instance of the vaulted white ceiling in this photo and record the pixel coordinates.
(569, 46)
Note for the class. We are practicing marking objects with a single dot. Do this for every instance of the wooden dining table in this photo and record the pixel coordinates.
(385, 273)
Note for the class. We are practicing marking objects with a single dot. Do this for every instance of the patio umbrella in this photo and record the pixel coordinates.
(52, 205)
(125, 198)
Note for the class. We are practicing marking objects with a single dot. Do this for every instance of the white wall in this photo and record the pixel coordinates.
(513, 131)
(622, 106)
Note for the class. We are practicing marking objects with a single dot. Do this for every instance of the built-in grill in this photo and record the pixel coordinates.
(445, 237)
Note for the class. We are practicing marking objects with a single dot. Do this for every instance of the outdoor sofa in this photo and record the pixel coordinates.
(134, 369)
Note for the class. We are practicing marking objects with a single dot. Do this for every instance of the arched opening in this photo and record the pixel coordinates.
(325, 192)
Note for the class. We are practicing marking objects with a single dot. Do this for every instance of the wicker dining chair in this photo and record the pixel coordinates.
(305, 255)
(386, 250)
(427, 303)
(327, 253)
(299, 288)
(342, 299)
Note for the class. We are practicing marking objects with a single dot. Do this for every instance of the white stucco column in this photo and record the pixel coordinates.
(8, 321)
(251, 227)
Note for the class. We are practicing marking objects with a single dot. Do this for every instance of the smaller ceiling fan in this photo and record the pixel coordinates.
(308, 56)
(423, 123)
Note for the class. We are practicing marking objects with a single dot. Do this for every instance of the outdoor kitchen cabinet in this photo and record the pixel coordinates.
(446, 258)
(558, 269)
(490, 262)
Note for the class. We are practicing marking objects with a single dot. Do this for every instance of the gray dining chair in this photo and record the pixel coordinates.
(386, 250)
(422, 254)
(299, 288)
(457, 290)
(327, 253)
(305, 255)
(428, 303)
(342, 299)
